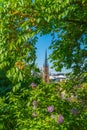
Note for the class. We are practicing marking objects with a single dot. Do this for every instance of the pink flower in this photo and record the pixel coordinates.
(33, 85)
(60, 119)
(50, 109)
(74, 111)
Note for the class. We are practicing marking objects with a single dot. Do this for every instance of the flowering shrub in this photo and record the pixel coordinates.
(44, 108)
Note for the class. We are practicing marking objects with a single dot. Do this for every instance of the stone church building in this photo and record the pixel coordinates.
(51, 77)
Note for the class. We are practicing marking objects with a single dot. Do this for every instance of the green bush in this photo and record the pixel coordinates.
(45, 106)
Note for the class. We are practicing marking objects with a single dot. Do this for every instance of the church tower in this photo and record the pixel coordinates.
(46, 70)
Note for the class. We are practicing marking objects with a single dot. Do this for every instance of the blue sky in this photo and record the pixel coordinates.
(43, 44)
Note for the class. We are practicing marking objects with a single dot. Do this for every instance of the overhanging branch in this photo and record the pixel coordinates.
(76, 21)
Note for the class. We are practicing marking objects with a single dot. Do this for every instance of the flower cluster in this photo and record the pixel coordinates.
(50, 109)
(74, 111)
(60, 119)
(20, 65)
(63, 95)
(35, 103)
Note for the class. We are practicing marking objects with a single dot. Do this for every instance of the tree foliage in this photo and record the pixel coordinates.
(67, 23)
(65, 20)
(17, 42)
(20, 22)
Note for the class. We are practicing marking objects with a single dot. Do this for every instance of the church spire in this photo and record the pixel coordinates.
(46, 69)
(45, 62)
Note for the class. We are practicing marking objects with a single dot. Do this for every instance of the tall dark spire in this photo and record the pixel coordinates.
(45, 62)
(46, 69)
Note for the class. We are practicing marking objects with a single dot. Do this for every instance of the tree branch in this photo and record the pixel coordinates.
(76, 21)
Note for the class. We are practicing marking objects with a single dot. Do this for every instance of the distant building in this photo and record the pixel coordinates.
(46, 70)
(57, 77)
(51, 77)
